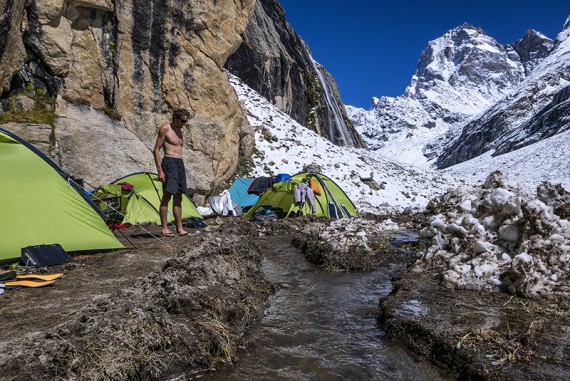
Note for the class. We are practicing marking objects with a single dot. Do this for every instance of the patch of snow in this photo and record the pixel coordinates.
(523, 248)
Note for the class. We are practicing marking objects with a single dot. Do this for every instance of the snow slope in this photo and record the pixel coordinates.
(546, 160)
(284, 146)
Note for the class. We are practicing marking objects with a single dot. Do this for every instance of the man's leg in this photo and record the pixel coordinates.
(177, 210)
(164, 213)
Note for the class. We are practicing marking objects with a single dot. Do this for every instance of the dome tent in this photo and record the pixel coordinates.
(239, 194)
(330, 199)
(41, 204)
(135, 199)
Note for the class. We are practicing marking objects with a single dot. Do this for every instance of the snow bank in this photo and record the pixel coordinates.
(497, 237)
(348, 234)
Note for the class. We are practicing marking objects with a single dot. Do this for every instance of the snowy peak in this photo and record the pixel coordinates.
(460, 76)
(465, 70)
(532, 48)
(536, 109)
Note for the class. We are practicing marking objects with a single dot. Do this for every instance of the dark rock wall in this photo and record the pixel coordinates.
(274, 61)
(532, 48)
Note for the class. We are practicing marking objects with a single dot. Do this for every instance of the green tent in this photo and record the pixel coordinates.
(135, 199)
(39, 204)
(330, 199)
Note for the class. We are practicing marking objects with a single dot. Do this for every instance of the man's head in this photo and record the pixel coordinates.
(181, 114)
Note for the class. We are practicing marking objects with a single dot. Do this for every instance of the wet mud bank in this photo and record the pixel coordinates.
(487, 296)
(168, 311)
(169, 314)
(472, 335)
(477, 335)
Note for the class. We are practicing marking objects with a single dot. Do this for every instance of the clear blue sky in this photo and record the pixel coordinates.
(372, 47)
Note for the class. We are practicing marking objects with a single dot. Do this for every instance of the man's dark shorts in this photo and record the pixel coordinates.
(175, 181)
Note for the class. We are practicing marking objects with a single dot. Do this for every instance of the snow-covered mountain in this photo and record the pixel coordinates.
(459, 76)
(538, 108)
(284, 146)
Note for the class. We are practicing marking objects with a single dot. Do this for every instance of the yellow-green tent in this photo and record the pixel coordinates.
(330, 199)
(135, 199)
(39, 204)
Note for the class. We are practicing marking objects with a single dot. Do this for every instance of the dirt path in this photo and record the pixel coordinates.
(147, 312)
(88, 278)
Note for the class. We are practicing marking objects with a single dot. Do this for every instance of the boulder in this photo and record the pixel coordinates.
(119, 68)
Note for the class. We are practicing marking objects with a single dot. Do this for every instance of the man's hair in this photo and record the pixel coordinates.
(179, 113)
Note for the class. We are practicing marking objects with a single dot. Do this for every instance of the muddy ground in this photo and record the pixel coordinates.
(169, 308)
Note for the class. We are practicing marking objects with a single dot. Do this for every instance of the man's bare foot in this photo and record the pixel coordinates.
(167, 234)
(183, 233)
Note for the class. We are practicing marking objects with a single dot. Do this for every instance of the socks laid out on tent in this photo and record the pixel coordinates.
(26, 283)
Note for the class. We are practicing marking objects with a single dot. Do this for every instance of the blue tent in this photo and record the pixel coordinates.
(238, 192)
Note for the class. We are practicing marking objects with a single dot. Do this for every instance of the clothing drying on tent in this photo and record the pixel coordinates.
(41, 204)
(294, 197)
(224, 205)
(239, 194)
(304, 193)
(135, 199)
(260, 185)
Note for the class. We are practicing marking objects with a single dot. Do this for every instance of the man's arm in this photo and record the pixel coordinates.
(157, 146)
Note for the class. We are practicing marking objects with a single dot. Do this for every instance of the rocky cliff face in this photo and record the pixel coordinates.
(274, 61)
(118, 68)
(532, 48)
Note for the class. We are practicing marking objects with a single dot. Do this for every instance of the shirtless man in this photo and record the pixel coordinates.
(171, 170)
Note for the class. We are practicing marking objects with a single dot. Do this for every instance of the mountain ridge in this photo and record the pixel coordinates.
(460, 77)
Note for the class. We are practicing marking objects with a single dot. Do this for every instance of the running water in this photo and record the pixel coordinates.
(321, 326)
(338, 131)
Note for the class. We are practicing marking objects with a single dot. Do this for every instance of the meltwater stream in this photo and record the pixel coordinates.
(321, 326)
